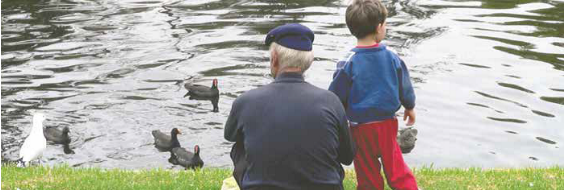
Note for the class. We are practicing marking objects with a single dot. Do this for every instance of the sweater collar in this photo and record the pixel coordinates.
(370, 46)
(376, 47)
(289, 77)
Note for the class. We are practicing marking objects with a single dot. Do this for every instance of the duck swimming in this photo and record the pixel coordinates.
(199, 92)
(183, 157)
(58, 136)
(164, 142)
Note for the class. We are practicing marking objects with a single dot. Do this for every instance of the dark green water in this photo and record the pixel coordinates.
(489, 75)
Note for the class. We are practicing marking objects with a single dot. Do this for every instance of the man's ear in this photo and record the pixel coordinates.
(274, 57)
(273, 64)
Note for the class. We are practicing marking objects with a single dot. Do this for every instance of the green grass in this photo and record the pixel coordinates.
(475, 178)
(64, 177)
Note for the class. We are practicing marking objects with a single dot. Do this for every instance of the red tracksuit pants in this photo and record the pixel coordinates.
(378, 139)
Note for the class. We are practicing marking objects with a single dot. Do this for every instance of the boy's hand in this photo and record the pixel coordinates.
(411, 114)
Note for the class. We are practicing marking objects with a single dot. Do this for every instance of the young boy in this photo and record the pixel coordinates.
(373, 83)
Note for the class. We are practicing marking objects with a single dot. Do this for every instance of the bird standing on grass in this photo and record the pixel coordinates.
(406, 139)
(35, 143)
(199, 92)
(183, 157)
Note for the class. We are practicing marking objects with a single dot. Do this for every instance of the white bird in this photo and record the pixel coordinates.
(35, 143)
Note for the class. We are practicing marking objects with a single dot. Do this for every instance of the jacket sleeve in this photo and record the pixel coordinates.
(347, 148)
(342, 82)
(407, 95)
(231, 130)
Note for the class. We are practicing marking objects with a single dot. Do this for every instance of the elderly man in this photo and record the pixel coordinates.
(289, 134)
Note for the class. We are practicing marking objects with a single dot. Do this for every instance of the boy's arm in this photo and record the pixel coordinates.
(342, 82)
(407, 95)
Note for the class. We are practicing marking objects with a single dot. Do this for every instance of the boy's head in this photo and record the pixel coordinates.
(367, 17)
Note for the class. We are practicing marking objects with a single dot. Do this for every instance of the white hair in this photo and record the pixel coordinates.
(291, 58)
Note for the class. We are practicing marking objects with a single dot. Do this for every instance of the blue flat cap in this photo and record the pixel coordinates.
(293, 36)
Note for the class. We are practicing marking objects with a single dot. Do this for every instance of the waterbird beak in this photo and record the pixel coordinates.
(186, 95)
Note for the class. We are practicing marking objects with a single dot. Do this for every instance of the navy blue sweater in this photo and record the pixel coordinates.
(372, 83)
(295, 135)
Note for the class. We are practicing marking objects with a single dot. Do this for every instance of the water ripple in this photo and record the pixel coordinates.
(112, 72)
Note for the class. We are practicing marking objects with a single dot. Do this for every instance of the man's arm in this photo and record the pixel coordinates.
(231, 130)
(347, 148)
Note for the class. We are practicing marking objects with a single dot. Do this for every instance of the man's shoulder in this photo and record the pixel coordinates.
(267, 90)
(324, 95)
(255, 94)
(252, 94)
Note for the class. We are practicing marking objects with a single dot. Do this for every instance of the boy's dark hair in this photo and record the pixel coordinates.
(363, 16)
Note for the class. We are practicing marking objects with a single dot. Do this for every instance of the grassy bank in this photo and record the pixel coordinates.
(63, 177)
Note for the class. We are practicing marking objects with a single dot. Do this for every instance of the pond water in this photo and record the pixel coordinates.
(489, 75)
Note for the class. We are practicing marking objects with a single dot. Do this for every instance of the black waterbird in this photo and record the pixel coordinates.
(183, 157)
(164, 142)
(199, 92)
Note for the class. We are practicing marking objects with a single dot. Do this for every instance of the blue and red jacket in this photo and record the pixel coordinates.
(373, 83)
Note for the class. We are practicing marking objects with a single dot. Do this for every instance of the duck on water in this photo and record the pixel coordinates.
(200, 92)
(164, 142)
(58, 136)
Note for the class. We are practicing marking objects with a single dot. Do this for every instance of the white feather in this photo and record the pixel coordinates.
(35, 143)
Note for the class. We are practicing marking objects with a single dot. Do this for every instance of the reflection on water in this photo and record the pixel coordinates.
(487, 74)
